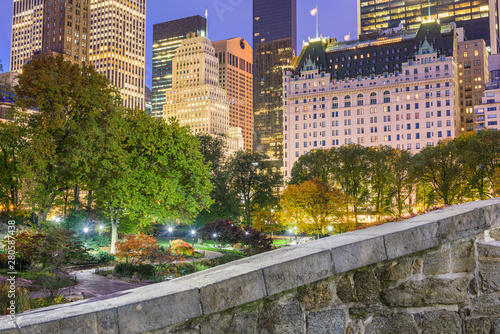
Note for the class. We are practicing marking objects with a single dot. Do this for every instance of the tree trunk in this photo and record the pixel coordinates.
(114, 233)
(42, 215)
(89, 200)
(77, 198)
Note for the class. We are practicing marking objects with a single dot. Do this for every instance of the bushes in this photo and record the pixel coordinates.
(144, 271)
(181, 247)
(22, 299)
(123, 269)
(102, 257)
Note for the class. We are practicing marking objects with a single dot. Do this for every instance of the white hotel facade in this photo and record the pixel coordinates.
(414, 106)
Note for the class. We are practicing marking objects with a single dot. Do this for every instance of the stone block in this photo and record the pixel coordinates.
(411, 237)
(345, 290)
(427, 292)
(485, 305)
(107, 321)
(489, 266)
(233, 292)
(462, 226)
(437, 261)
(6, 327)
(290, 272)
(495, 234)
(439, 322)
(49, 327)
(399, 269)
(326, 322)
(396, 323)
(366, 286)
(491, 210)
(478, 326)
(282, 318)
(155, 306)
(83, 324)
(462, 256)
(317, 295)
(495, 326)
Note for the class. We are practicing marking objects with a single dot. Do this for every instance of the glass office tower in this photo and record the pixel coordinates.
(478, 18)
(167, 37)
(275, 42)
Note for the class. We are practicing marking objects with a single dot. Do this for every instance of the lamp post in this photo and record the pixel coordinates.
(291, 233)
(170, 231)
(85, 230)
(329, 228)
(215, 239)
(100, 229)
(193, 233)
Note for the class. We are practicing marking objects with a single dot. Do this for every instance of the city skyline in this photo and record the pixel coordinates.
(223, 17)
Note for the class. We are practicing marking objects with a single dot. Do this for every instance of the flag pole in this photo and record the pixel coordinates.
(317, 22)
(206, 16)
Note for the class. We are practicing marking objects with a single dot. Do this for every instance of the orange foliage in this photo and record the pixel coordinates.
(138, 247)
(181, 247)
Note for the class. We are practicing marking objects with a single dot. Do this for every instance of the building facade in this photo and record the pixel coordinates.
(487, 114)
(398, 90)
(26, 36)
(195, 98)
(275, 42)
(478, 18)
(472, 76)
(167, 37)
(235, 77)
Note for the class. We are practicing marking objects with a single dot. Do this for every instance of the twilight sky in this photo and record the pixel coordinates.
(227, 19)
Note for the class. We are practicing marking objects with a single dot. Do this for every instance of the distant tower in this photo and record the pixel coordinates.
(167, 37)
(275, 42)
(235, 76)
(196, 99)
(117, 45)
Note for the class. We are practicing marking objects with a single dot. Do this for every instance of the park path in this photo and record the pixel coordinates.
(91, 285)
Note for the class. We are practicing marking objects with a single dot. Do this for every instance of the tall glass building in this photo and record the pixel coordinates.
(274, 44)
(478, 18)
(167, 37)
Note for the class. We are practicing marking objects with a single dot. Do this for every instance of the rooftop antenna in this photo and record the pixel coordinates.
(429, 9)
(206, 16)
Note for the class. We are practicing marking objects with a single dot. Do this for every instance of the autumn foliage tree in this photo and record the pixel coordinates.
(313, 206)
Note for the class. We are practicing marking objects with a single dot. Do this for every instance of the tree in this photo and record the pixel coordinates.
(136, 248)
(73, 103)
(268, 221)
(225, 199)
(157, 173)
(314, 164)
(439, 167)
(402, 179)
(255, 180)
(320, 204)
(379, 177)
(349, 173)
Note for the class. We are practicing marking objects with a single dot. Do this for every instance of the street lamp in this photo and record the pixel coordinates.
(193, 233)
(329, 228)
(170, 231)
(291, 233)
(215, 239)
(100, 229)
(57, 219)
(85, 230)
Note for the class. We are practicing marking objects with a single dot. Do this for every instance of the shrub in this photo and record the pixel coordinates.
(22, 299)
(145, 271)
(182, 247)
(105, 257)
(123, 269)
(137, 248)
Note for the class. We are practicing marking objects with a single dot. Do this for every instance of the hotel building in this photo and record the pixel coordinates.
(235, 77)
(117, 46)
(487, 114)
(196, 99)
(398, 90)
(274, 43)
(479, 18)
(167, 37)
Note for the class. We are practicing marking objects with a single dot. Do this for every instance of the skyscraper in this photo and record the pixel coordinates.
(275, 41)
(167, 37)
(110, 34)
(478, 18)
(235, 76)
(117, 46)
(195, 98)
(27, 23)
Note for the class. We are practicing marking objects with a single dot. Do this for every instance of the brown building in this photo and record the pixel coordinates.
(235, 76)
(66, 28)
(472, 76)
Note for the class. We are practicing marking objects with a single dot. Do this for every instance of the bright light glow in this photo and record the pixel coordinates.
(85, 230)
(193, 232)
(101, 227)
(215, 235)
(170, 229)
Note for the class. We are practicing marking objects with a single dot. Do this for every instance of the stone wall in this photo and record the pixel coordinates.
(435, 273)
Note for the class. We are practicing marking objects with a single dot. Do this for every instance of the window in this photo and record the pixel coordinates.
(347, 101)
(373, 98)
(360, 99)
(387, 98)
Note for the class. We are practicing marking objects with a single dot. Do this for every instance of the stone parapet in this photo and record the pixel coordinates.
(438, 270)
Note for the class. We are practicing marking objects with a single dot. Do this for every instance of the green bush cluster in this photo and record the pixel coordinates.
(102, 257)
(144, 271)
